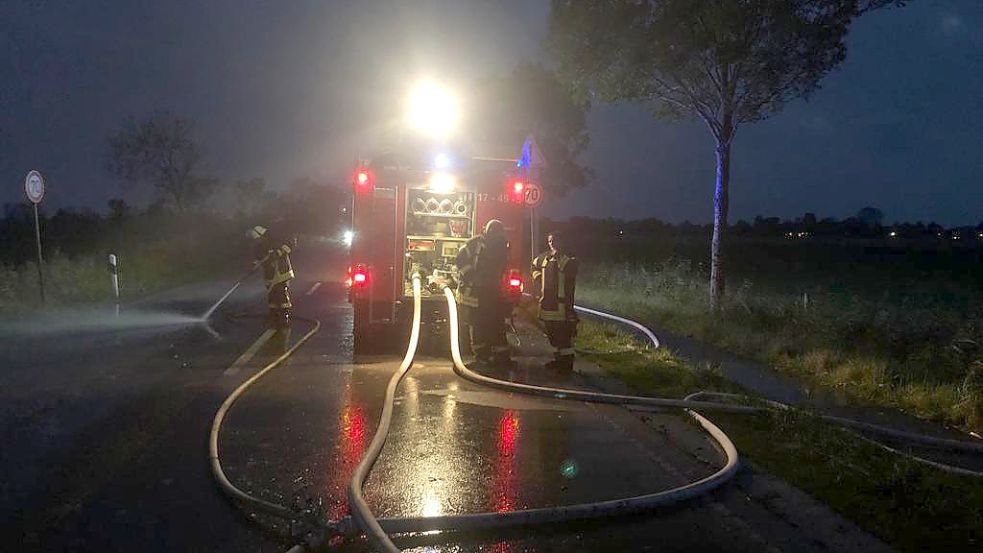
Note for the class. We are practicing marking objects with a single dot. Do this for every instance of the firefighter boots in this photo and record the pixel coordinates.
(279, 319)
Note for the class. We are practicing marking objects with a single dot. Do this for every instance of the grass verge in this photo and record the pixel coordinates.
(908, 505)
(142, 270)
(922, 358)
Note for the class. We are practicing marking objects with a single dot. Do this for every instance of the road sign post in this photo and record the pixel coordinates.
(532, 232)
(114, 278)
(34, 187)
(534, 197)
(532, 164)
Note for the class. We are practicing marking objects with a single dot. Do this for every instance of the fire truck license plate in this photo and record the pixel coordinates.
(493, 198)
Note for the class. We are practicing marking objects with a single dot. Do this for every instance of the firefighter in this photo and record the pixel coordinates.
(556, 273)
(274, 256)
(481, 266)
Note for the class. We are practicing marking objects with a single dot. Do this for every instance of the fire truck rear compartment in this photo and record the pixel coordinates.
(437, 226)
(405, 223)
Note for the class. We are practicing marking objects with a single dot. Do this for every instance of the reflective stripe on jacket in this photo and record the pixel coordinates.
(276, 265)
(557, 276)
(467, 258)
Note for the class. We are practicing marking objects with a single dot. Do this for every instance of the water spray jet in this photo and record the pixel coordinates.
(235, 287)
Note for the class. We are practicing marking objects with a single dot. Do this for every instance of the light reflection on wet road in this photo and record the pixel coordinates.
(297, 435)
(456, 447)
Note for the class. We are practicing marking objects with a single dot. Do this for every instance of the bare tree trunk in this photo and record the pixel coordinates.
(721, 200)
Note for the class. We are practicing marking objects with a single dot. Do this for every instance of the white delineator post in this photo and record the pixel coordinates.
(114, 275)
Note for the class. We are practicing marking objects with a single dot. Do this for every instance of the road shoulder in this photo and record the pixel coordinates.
(760, 505)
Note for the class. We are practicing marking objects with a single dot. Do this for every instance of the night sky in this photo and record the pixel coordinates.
(282, 90)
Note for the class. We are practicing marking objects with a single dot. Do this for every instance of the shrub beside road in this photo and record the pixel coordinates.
(158, 247)
(146, 265)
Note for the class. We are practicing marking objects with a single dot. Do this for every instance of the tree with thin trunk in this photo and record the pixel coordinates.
(161, 151)
(726, 62)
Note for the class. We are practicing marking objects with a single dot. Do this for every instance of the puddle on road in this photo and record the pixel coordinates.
(503, 400)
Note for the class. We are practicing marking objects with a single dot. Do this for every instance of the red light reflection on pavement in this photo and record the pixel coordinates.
(503, 491)
(504, 481)
(352, 434)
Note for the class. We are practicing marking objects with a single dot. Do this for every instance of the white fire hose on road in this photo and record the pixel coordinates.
(378, 530)
(941, 443)
(615, 507)
(356, 502)
(213, 438)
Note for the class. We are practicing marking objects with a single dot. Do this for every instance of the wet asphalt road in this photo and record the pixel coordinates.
(105, 435)
(104, 430)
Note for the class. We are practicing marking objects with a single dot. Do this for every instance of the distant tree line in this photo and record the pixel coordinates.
(304, 207)
(867, 223)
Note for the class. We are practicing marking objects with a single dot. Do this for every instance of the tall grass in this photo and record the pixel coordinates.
(872, 487)
(898, 348)
(145, 265)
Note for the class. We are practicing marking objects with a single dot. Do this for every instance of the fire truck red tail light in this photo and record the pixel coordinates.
(359, 276)
(517, 191)
(363, 180)
(515, 281)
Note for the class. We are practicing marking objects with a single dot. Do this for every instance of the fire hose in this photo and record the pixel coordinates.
(356, 501)
(378, 530)
(617, 507)
(932, 441)
(213, 450)
(231, 290)
(227, 487)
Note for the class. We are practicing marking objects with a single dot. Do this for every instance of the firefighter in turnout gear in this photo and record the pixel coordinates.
(274, 257)
(481, 266)
(555, 275)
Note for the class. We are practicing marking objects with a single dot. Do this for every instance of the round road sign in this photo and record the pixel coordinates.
(34, 186)
(534, 194)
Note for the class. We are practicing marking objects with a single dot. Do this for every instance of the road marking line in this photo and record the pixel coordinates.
(249, 353)
(313, 288)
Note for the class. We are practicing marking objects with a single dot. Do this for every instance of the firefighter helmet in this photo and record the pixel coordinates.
(494, 228)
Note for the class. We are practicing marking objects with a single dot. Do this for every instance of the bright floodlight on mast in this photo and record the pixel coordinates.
(432, 110)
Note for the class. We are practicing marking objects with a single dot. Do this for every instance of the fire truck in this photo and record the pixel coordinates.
(413, 216)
